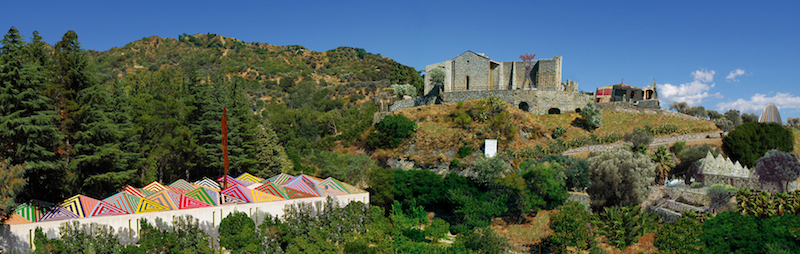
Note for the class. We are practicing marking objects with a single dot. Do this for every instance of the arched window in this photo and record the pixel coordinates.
(524, 106)
(554, 111)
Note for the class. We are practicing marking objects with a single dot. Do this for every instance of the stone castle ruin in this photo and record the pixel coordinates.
(471, 76)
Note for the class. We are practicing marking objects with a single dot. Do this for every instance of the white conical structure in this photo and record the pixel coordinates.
(723, 166)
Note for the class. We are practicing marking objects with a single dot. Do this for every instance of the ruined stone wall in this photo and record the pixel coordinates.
(548, 72)
(474, 67)
(446, 66)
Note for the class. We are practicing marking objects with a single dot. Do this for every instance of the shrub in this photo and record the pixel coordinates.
(750, 141)
(483, 240)
(576, 170)
(720, 195)
(591, 117)
(733, 116)
(778, 167)
(731, 232)
(545, 183)
(390, 131)
(399, 91)
(749, 117)
(622, 225)
(640, 139)
(488, 170)
(558, 132)
(678, 147)
(570, 225)
(696, 185)
(237, 233)
(464, 151)
(725, 125)
(681, 236)
(619, 177)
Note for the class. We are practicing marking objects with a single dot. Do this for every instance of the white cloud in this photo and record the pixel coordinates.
(734, 73)
(693, 92)
(758, 102)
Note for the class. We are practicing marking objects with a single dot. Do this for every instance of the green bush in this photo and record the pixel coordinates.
(731, 232)
(678, 147)
(778, 167)
(483, 240)
(696, 185)
(640, 139)
(750, 141)
(570, 225)
(591, 117)
(464, 151)
(558, 132)
(545, 183)
(681, 236)
(619, 177)
(390, 131)
(622, 225)
(237, 233)
(576, 170)
(720, 195)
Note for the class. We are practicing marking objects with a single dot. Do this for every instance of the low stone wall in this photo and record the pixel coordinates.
(752, 183)
(18, 237)
(654, 111)
(694, 196)
(413, 102)
(656, 142)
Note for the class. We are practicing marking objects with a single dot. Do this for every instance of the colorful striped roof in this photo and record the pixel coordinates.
(154, 187)
(303, 184)
(231, 181)
(146, 206)
(182, 194)
(240, 192)
(166, 198)
(280, 178)
(204, 195)
(80, 205)
(247, 177)
(770, 114)
(183, 184)
(274, 189)
(106, 209)
(134, 191)
(125, 201)
(331, 187)
(208, 183)
(59, 213)
(33, 210)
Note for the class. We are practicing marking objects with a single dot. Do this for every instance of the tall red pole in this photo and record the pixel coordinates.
(225, 162)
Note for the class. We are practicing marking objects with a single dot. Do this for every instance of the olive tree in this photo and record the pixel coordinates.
(620, 177)
(778, 167)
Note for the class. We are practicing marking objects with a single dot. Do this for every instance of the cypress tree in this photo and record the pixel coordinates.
(27, 132)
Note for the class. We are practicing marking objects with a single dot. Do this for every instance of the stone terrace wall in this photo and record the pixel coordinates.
(656, 141)
(752, 183)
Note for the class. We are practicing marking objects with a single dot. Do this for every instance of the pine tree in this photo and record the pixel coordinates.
(27, 132)
(270, 156)
(100, 164)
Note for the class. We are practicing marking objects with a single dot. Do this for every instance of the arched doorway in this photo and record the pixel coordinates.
(577, 110)
(554, 111)
(524, 106)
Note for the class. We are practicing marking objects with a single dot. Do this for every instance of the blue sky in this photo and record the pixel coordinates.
(719, 54)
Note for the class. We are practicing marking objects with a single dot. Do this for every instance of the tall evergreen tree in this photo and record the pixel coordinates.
(71, 74)
(11, 183)
(270, 157)
(100, 164)
(27, 132)
(159, 110)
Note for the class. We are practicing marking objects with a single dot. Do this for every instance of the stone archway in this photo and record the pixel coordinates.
(524, 106)
(554, 111)
(577, 110)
